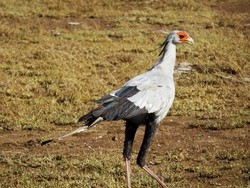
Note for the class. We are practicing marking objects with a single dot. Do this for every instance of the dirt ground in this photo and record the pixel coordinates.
(174, 132)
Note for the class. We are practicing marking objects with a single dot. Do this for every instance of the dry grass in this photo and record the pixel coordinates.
(50, 72)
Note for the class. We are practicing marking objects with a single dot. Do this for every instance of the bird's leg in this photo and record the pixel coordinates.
(128, 143)
(127, 161)
(153, 175)
(148, 137)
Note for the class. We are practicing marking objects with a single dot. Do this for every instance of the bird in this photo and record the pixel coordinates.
(143, 100)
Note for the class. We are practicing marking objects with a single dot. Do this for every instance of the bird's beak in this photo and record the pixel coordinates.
(189, 41)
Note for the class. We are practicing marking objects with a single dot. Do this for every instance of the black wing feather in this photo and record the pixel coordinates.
(115, 107)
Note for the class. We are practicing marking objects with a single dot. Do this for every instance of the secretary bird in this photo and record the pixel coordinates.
(143, 100)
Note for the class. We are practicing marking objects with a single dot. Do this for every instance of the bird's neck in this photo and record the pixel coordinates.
(168, 58)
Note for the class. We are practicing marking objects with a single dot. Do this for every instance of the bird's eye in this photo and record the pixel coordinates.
(181, 36)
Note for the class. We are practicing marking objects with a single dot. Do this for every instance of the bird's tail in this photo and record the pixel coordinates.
(89, 121)
(81, 129)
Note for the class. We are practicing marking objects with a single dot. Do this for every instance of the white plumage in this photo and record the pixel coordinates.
(156, 93)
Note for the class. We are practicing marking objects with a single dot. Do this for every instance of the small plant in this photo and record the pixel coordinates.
(207, 172)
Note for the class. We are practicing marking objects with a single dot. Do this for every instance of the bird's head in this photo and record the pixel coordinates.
(176, 37)
(179, 37)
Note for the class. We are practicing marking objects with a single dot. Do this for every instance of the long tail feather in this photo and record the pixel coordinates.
(81, 129)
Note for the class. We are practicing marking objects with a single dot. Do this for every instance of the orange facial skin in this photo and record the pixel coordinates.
(183, 36)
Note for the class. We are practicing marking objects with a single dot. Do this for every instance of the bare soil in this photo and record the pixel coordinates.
(174, 132)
